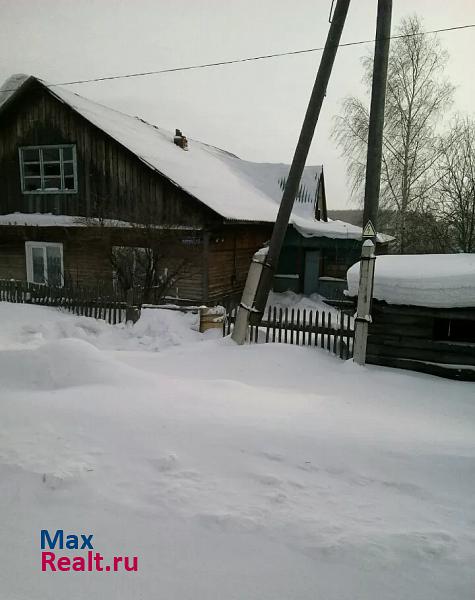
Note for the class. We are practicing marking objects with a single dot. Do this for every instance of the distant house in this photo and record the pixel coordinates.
(423, 313)
(79, 180)
(315, 259)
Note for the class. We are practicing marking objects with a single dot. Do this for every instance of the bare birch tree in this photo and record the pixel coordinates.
(456, 188)
(417, 96)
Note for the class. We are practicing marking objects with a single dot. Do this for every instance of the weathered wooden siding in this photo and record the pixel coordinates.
(231, 249)
(404, 336)
(87, 255)
(112, 182)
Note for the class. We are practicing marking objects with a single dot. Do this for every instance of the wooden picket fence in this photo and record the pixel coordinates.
(302, 328)
(86, 302)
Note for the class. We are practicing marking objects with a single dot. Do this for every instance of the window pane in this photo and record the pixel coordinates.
(50, 154)
(38, 265)
(68, 168)
(30, 154)
(51, 173)
(32, 184)
(53, 265)
(67, 154)
(52, 183)
(32, 169)
(69, 183)
(52, 169)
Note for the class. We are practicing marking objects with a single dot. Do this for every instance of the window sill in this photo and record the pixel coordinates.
(48, 192)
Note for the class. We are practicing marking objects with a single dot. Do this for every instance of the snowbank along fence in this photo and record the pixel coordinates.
(80, 301)
(301, 327)
(99, 304)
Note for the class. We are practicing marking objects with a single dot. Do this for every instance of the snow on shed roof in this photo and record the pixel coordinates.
(234, 188)
(433, 280)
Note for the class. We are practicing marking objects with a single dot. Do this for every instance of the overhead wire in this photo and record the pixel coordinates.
(247, 59)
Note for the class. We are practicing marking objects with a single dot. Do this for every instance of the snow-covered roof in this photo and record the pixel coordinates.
(433, 280)
(52, 220)
(38, 220)
(234, 188)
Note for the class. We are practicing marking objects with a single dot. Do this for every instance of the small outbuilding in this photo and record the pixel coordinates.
(317, 251)
(423, 313)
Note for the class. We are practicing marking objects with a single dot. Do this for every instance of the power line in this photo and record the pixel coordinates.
(248, 59)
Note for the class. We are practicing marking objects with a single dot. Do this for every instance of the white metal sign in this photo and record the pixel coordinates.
(368, 230)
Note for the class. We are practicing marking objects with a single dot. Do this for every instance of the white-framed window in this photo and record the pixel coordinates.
(48, 169)
(44, 263)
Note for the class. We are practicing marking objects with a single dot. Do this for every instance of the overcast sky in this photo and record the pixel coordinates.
(252, 109)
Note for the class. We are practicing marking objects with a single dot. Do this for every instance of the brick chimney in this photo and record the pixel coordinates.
(180, 140)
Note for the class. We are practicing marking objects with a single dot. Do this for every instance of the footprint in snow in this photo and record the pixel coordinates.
(168, 462)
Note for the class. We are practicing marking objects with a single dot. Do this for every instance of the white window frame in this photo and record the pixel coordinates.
(29, 260)
(41, 163)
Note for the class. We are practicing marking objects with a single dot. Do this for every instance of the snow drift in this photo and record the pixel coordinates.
(434, 280)
(258, 472)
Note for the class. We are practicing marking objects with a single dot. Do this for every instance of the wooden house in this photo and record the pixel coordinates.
(423, 313)
(79, 180)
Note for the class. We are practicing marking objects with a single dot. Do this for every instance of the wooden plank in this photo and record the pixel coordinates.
(322, 336)
(340, 336)
(445, 347)
(398, 311)
(315, 342)
(439, 370)
(429, 355)
(268, 324)
(348, 327)
(335, 337)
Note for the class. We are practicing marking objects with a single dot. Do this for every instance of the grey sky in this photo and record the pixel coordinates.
(253, 109)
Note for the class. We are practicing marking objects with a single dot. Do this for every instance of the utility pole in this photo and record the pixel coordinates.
(262, 270)
(376, 116)
(373, 177)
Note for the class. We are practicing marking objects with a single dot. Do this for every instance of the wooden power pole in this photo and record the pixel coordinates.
(373, 178)
(262, 269)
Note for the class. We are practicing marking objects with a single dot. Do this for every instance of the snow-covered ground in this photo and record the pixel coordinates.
(299, 301)
(290, 299)
(243, 473)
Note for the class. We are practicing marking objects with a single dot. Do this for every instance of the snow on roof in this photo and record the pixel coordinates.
(38, 220)
(11, 85)
(234, 188)
(51, 220)
(434, 280)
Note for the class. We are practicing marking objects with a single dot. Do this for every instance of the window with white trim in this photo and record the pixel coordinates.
(48, 169)
(44, 263)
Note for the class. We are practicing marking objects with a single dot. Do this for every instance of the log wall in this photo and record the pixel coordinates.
(406, 337)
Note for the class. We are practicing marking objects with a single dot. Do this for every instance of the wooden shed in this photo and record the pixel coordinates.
(423, 313)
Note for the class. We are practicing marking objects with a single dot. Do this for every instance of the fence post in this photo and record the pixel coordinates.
(246, 307)
(365, 292)
(132, 313)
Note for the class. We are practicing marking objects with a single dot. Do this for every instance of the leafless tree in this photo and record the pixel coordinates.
(456, 188)
(154, 260)
(147, 256)
(417, 96)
